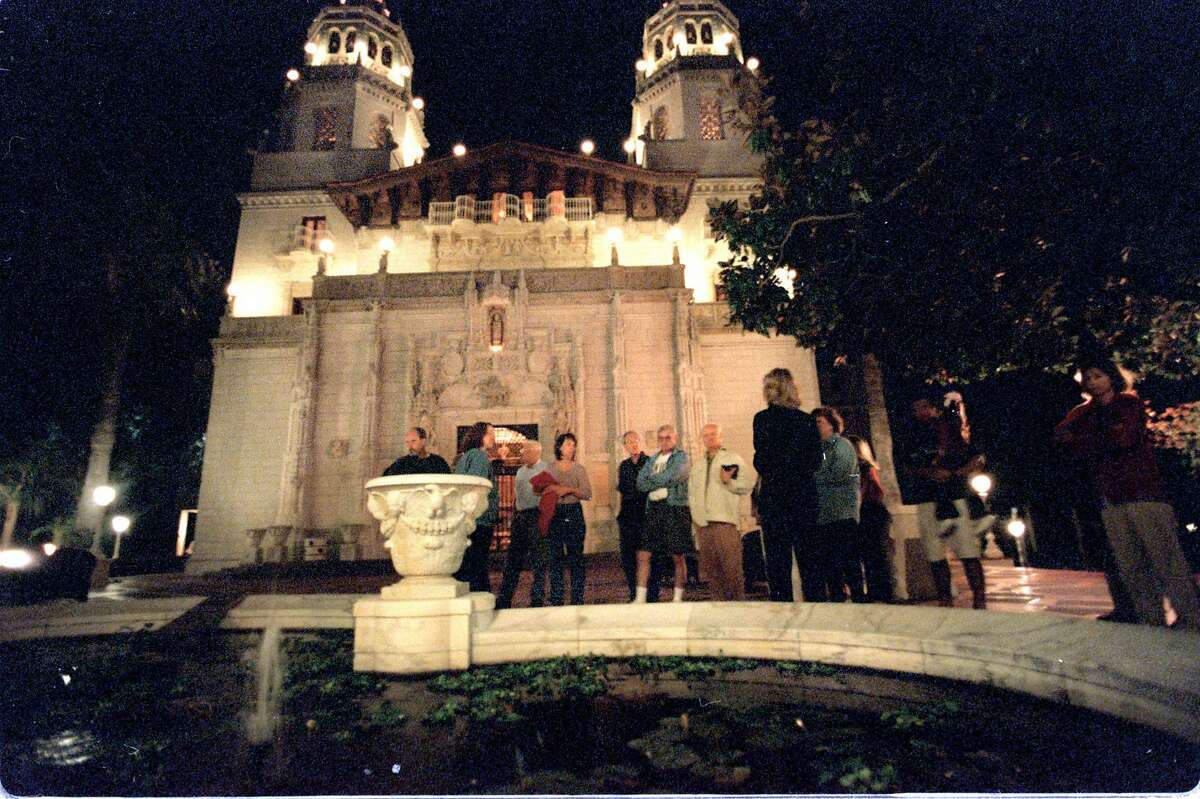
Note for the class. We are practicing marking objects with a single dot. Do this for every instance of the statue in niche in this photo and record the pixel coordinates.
(563, 392)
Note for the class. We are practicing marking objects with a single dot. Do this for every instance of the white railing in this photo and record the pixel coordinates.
(573, 209)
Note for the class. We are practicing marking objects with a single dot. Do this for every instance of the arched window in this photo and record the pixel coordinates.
(658, 49)
(351, 39)
(706, 33)
(385, 57)
(689, 31)
(711, 128)
(662, 126)
(372, 46)
(335, 42)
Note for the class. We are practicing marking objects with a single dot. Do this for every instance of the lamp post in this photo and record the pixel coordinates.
(326, 247)
(120, 526)
(1016, 528)
(675, 235)
(982, 484)
(386, 245)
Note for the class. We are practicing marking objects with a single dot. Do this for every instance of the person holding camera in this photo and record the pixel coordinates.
(715, 494)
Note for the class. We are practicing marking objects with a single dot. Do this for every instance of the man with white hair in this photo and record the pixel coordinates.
(525, 539)
(715, 491)
(667, 530)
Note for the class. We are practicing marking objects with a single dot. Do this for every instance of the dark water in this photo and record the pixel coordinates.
(162, 715)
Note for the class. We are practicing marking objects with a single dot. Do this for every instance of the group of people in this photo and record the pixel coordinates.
(819, 501)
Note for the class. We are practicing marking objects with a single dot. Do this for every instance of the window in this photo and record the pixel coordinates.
(335, 41)
(706, 33)
(710, 120)
(386, 56)
(351, 39)
(661, 125)
(325, 122)
(658, 49)
(372, 47)
(689, 31)
(314, 230)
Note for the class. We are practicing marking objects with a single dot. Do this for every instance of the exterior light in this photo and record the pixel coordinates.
(641, 65)
(15, 559)
(418, 103)
(387, 244)
(752, 63)
(679, 39)
(587, 147)
(310, 48)
(615, 235)
(293, 74)
(629, 146)
(104, 495)
(1015, 527)
(120, 524)
(981, 484)
(1190, 527)
(405, 71)
(326, 246)
(49, 548)
(726, 38)
(674, 233)
(459, 150)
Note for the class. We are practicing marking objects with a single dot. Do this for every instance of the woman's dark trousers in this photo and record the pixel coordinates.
(567, 530)
(474, 569)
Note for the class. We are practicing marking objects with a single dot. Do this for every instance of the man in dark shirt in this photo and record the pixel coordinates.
(419, 460)
(632, 515)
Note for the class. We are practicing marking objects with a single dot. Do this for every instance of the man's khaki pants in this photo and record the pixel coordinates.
(1145, 544)
(721, 560)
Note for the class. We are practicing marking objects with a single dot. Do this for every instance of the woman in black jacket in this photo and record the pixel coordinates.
(787, 450)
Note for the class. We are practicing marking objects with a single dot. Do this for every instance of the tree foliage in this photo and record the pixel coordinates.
(979, 187)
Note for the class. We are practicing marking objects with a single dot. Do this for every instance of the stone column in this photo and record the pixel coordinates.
(685, 395)
(370, 403)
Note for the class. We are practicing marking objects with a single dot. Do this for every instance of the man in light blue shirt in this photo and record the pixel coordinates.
(525, 537)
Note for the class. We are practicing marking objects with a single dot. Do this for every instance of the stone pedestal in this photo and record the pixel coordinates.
(419, 625)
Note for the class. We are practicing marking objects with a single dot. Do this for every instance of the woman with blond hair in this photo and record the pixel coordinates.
(787, 452)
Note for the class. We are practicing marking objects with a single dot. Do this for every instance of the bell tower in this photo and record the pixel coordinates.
(348, 109)
(682, 111)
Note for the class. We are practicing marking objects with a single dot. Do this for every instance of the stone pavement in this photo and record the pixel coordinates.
(1011, 589)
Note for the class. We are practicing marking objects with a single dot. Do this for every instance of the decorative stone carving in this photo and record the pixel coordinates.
(338, 449)
(426, 520)
(493, 392)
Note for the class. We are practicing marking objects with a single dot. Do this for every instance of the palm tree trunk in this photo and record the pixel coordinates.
(11, 509)
(88, 515)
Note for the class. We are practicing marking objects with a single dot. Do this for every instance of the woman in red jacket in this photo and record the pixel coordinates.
(1108, 433)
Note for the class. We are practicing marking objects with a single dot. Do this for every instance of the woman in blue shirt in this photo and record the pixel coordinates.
(837, 508)
(475, 461)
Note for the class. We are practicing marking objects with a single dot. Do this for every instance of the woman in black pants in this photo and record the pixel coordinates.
(787, 451)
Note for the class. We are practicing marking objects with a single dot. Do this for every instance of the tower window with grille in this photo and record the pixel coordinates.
(706, 34)
(372, 47)
(689, 31)
(710, 120)
(385, 57)
(658, 49)
(662, 124)
(351, 40)
(325, 122)
(335, 42)
(314, 231)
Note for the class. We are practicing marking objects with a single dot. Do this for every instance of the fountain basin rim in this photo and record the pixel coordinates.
(418, 480)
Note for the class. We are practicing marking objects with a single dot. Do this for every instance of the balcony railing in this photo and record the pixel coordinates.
(510, 206)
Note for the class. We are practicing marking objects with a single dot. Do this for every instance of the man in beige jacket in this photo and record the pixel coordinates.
(715, 490)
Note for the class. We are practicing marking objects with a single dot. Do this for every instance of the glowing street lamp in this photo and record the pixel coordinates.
(752, 64)
(640, 66)
(1016, 528)
(293, 74)
(310, 48)
(120, 526)
(104, 495)
(418, 104)
(459, 150)
(982, 485)
(587, 147)
(629, 146)
(386, 245)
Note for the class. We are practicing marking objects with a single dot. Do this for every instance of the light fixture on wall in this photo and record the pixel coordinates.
(326, 247)
(496, 330)
(459, 150)
(675, 235)
(310, 48)
(386, 245)
(293, 74)
(418, 104)
(587, 147)
(752, 64)
(630, 145)
(615, 236)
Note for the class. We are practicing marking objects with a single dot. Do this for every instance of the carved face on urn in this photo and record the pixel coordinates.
(427, 521)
